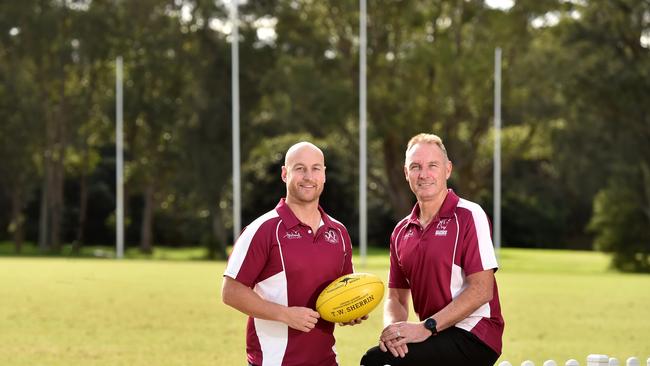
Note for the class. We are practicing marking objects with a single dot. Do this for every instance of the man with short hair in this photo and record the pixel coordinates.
(442, 256)
(280, 264)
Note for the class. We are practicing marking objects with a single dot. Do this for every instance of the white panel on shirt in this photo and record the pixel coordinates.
(485, 246)
(488, 261)
(273, 335)
(243, 243)
(458, 285)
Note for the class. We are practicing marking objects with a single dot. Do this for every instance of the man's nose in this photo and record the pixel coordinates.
(425, 172)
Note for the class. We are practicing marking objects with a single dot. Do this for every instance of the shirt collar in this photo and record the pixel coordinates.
(290, 220)
(446, 210)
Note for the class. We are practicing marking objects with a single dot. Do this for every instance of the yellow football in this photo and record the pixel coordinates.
(350, 297)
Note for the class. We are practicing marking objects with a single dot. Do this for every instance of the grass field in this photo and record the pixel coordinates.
(56, 311)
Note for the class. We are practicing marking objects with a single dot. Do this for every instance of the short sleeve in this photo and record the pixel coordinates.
(250, 255)
(396, 277)
(477, 248)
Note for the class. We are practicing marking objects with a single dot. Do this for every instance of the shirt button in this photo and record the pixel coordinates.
(309, 231)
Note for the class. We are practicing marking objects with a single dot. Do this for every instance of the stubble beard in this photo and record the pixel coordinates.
(305, 196)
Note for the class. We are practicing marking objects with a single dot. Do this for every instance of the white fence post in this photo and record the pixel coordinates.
(633, 361)
(550, 363)
(613, 361)
(528, 363)
(572, 362)
(504, 363)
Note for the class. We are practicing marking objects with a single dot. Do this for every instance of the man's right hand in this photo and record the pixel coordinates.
(300, 318)
(397, 351)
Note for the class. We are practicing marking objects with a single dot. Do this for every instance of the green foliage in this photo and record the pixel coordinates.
(621, 220)
(602, 149)
(574, 97)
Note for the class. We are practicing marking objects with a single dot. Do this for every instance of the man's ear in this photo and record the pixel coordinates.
(406, 173)
(450, 167)
(284, 174)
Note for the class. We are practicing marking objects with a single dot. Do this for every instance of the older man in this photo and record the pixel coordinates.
(442, 256)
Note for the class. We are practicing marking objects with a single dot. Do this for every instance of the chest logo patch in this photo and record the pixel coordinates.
(441, 228)
(331, 237)
(293, 234)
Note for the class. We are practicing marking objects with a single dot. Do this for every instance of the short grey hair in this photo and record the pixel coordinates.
(426, 138)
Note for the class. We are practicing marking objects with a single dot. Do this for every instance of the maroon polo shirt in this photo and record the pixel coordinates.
(433, 262)
(285, 262)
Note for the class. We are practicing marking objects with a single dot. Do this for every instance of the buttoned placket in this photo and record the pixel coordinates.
(316, 234)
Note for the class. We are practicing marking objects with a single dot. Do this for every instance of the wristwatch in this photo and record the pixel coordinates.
(431, 325)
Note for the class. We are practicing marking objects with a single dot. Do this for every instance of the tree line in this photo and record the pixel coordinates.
(576, 115)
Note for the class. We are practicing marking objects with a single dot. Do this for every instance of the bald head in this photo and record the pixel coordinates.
(300, 148)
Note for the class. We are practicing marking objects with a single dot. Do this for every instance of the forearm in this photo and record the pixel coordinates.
(394, 311)
(244, 299)
(477, 293)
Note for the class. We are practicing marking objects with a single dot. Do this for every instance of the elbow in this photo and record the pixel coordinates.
(226, 292)
(488, 296)
(486, 290)
(225, 298)
(482, 294)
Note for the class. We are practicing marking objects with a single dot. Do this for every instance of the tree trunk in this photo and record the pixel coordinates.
(52, 192)
(645, 179)
(17, 219)
(83, 202)
(57, 203)
(217, 246)
(43, 242)
(399, 194)
(59, 144)
(146, 232)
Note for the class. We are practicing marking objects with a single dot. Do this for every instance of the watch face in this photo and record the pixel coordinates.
(431, 324)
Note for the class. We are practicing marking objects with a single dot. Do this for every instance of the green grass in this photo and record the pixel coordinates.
(78, 311)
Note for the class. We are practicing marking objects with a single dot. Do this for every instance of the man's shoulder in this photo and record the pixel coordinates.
(336, 222)
(401, 224)
(264, 222)
(467, 207)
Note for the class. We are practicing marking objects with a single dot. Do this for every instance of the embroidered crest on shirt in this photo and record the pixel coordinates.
(441, 228)
(331, 237)
(293, 234)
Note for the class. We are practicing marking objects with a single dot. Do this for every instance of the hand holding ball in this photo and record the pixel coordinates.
(350, 297)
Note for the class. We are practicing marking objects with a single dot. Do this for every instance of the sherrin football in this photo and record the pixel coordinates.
(350, 297)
